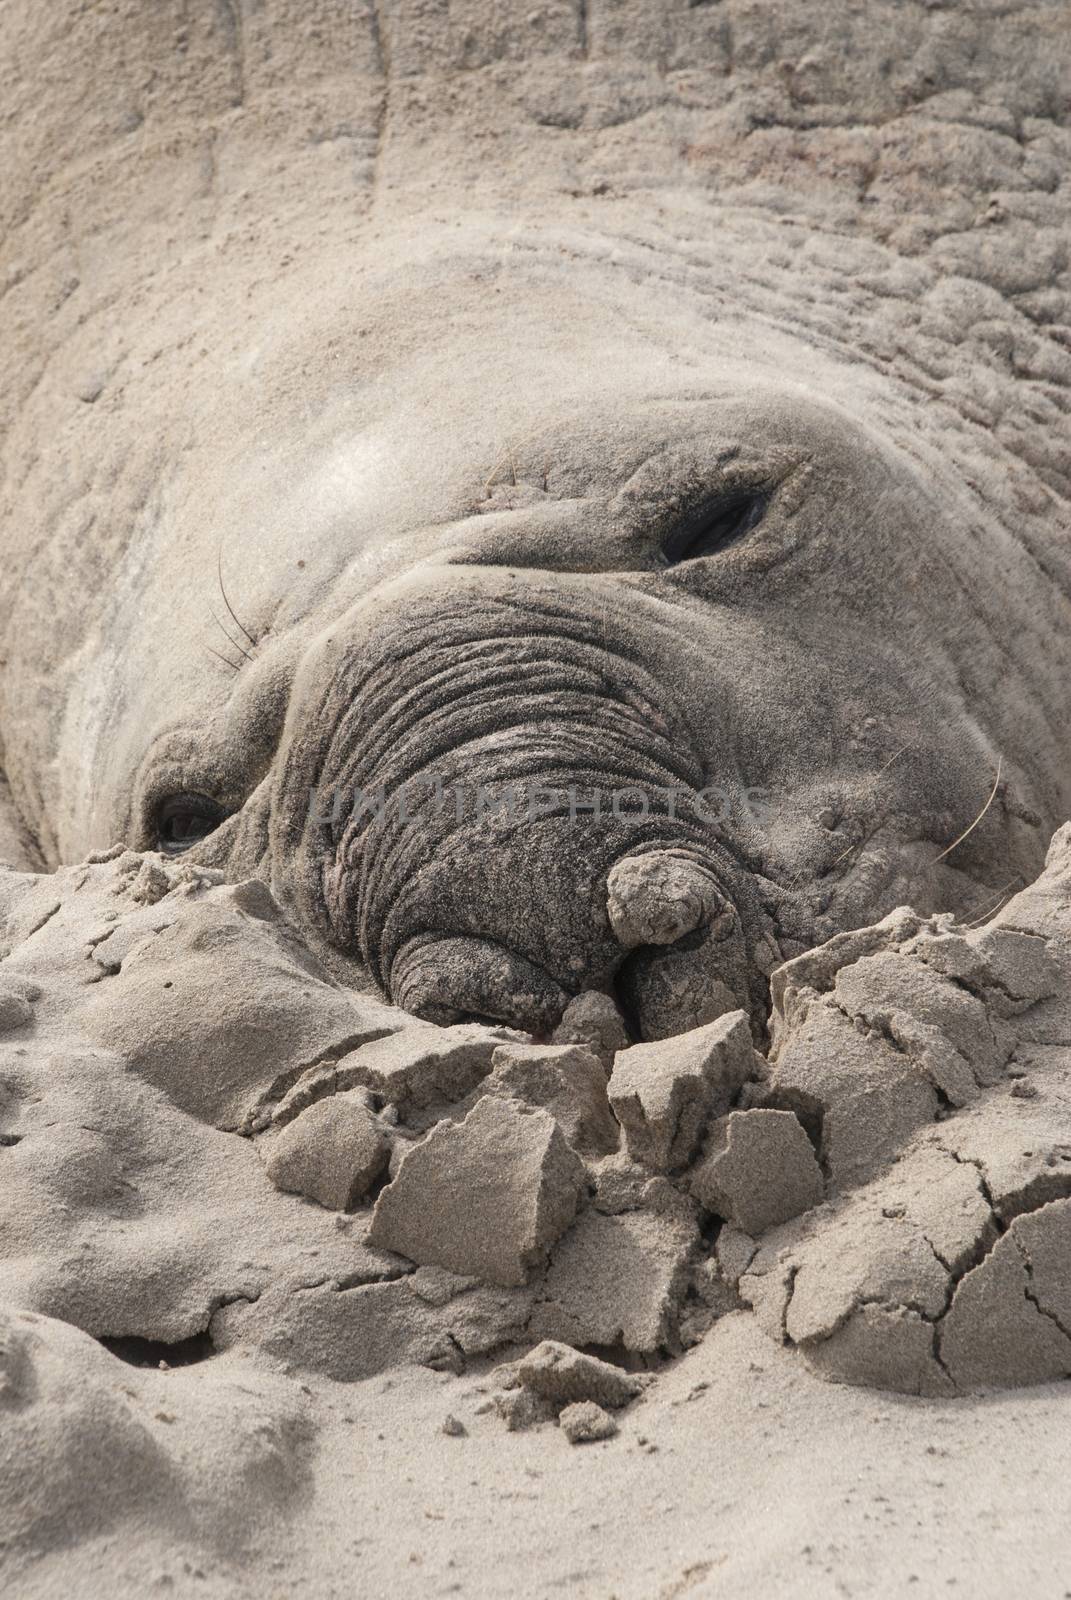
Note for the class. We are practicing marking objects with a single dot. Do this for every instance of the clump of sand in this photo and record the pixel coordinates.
(230, 1179)
(208, 1138)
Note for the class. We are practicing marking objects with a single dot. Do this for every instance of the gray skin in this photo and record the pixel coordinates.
(500, 498)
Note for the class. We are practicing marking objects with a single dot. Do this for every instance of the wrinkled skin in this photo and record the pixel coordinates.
(453, 487)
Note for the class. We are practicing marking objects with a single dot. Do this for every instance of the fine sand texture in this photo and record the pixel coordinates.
(298, 1286)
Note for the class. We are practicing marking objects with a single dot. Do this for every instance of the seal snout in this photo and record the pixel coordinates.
(677, 960)
(658, 897)
(515, 818)
(686, 960)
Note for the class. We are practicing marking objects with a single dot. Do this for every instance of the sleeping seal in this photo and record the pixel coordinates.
(543, 584)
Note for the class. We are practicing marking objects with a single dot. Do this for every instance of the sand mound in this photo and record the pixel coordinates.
(932, 1067)
(230, 1183)
(209, 1145)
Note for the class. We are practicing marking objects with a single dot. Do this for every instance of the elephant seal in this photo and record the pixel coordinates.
(610, 564)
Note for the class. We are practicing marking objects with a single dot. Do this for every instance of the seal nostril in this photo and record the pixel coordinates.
(713, 527)
(658, 898)
(686, 962)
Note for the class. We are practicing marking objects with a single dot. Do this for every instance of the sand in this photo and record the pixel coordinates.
(215, 1383)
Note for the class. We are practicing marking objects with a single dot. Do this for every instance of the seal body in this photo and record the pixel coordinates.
(497, 566)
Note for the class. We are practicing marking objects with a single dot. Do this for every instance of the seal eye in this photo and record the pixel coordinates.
(713, 527)
(183, 820)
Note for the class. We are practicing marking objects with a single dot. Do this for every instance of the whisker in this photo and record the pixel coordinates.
(226, 662)
(858, 844)
(891, 759)
(508, 456)
(237, 643)
(219, 574)
(991, 910)
(992, 796)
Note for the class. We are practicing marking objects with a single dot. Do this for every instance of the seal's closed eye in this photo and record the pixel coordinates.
(714, 526)
(183, 820)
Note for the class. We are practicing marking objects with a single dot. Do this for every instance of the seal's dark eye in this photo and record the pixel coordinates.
(713, 527)
(183, 820)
